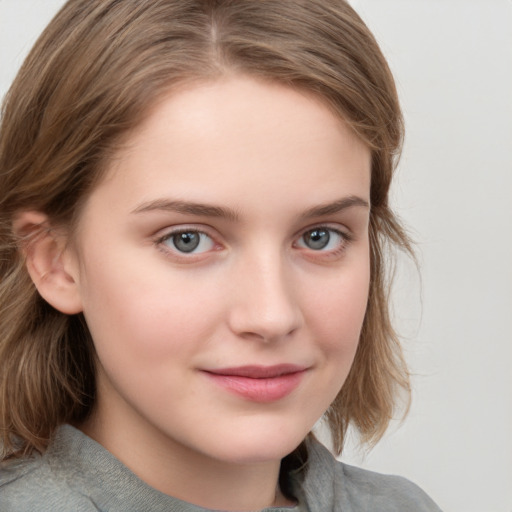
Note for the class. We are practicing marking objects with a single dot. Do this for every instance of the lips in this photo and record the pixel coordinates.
(259, 383)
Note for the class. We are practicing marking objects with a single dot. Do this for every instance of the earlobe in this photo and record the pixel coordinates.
(48, 261)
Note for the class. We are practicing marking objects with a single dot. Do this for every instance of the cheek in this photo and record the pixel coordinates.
(335, 316)
(338, 311)
(139, 315)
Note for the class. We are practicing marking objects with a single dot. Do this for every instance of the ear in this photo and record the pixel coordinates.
(49, 261)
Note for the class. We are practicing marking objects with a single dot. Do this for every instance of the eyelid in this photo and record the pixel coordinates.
(345, 235)
(331, 226)
(170, 230)
(165, 234)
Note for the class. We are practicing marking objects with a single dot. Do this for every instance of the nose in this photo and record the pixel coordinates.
(265, 303)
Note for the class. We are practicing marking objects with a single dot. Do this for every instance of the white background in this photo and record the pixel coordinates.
(453, 64)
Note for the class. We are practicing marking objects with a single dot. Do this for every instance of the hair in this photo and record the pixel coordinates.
(90, 79)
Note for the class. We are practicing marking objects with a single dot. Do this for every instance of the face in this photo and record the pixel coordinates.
(223, 268)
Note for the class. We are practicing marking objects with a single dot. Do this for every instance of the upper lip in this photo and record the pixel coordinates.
(258, 371)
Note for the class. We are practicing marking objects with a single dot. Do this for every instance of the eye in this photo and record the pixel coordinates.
(188, 242)
(322, 239)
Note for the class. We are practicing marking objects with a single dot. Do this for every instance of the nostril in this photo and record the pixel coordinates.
(269, 337)
(265, 325)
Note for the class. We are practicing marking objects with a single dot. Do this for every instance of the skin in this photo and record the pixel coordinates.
(252, 293)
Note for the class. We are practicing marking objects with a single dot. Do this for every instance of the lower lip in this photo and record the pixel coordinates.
(259, 390)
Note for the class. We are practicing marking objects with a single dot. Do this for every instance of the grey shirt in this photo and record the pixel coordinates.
(76, 474)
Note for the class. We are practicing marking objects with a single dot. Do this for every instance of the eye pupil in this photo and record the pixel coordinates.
(186, 242)
(317, 239)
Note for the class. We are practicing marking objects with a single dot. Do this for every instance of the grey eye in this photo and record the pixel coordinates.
(186, 242)
(322, 239)
(317, 239)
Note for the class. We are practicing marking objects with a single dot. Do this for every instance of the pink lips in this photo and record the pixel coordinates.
(259, 383)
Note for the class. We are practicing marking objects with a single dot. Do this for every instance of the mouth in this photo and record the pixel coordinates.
(259, 383)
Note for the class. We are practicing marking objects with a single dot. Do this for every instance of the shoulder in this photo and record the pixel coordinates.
(31, 484)
(352, 488)
(388, 492)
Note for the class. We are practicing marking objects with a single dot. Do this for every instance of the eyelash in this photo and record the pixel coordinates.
(344, 240)
(160, 242)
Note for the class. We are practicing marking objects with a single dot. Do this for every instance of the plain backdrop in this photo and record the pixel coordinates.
(453, 63)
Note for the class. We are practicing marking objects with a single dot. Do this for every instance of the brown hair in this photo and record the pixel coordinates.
(91, 77)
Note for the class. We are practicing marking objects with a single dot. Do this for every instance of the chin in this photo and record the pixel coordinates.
(262, 447)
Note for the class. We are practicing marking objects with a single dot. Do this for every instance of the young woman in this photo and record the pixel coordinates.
(194, 230)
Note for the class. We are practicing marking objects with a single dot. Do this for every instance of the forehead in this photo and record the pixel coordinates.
(238, 137)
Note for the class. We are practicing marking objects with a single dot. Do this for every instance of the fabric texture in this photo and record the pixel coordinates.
(76, 474)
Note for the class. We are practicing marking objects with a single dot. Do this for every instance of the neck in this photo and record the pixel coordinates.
(183, 473)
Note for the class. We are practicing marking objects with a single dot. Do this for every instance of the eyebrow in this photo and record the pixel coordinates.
(335, 207)
(188, 208)
(208, 210)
